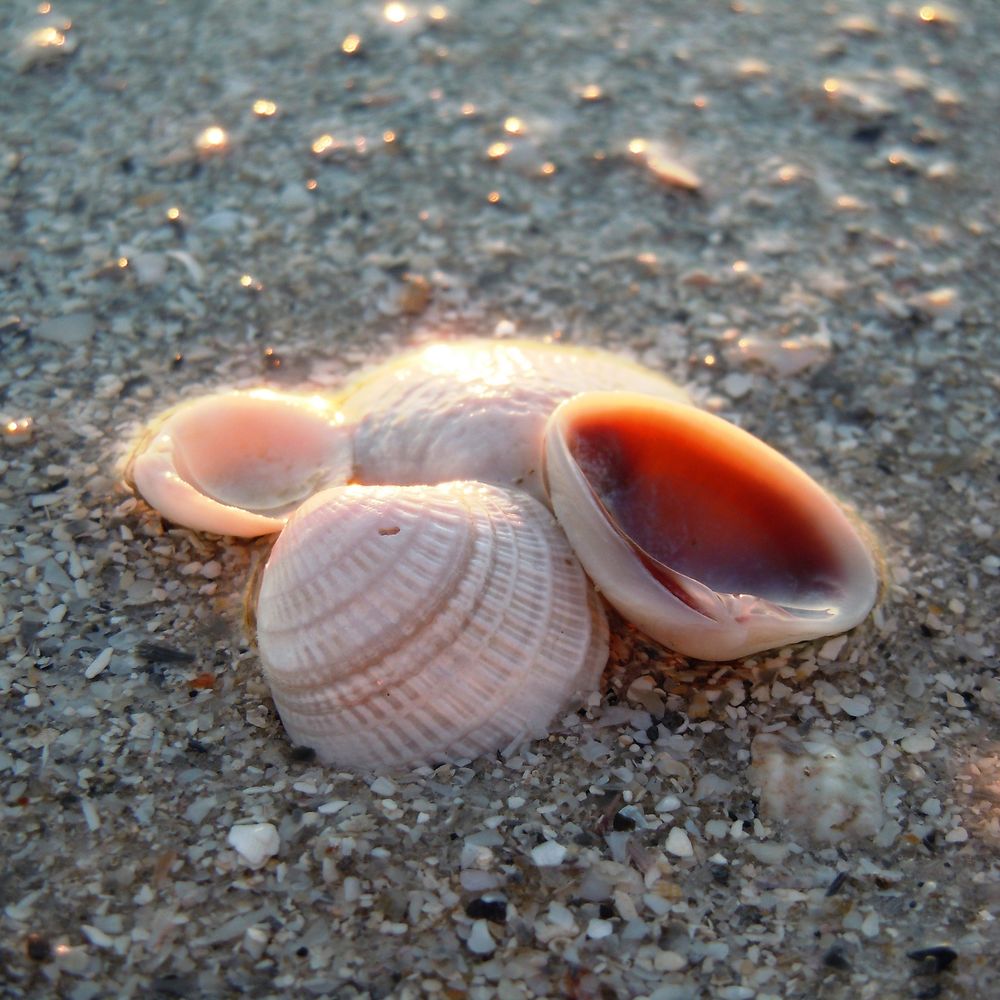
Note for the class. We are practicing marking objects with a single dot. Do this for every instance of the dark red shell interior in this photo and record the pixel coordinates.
(709, 501)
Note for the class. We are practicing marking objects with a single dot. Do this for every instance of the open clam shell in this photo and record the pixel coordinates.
(238, 463)
(699, 533)
(476, 409)
(408, 625)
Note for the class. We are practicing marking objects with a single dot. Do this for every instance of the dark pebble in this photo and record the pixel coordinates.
(493, 909)
(720, 874)
(622, 822)
(303, 754)
(605, 911)
(173, 985)
(673, 720)
(837, 884)
(38, 947)
(935, 959)
(835, 958)
(159, 652)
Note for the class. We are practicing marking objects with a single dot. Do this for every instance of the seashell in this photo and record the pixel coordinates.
(416, 624)
(476, 409)
(699, 533)
(238, 463)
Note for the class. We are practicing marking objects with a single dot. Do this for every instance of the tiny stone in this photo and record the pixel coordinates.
(938, 957)
(548, 854)
(679, 843)
(254, 842)
(480, 941)
(331, 807)
(99, 663)
(918, 744)
(383, 787)
(669, 961)
(38, 947)
(487, 908)
(830, 649)
(736, 386)
(598, 928)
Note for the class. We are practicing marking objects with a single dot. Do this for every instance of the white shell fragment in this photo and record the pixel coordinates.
(408, 625)
(476, 409)
(254, 842)
(819, 790)
(239, 463)
(699, 533)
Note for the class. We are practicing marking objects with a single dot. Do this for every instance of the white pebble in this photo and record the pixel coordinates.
(736, 386)
(668, 804)
(331, 807)
(918, 744)
(548, 855)
(858, 706)
(383, 787)
(254, 842)
(669, 961)
(32, 699)
(480, 941)
(96, 936)
(830, 649)
(957, 836)
(99, 663)
(679, 843)
(598, 928)
(255, 940)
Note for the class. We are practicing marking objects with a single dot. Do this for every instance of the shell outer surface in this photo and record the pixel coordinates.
(476, 409)
(399, 626)
(699, 533)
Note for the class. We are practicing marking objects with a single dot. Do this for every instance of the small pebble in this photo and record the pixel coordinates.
(679, 843)
(598, 928)
(99, 663)
(254, 842)
(383, 787)
(918, 744)
(480, 941)
(548, 854)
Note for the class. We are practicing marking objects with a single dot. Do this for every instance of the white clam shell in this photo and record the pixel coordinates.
(408, 625)
(238, 463)
(699, 533)
(476, 409)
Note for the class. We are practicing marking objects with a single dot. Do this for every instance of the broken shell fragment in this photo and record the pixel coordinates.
(476, 409)
(410, 625)
(699, 533)
(238, 463)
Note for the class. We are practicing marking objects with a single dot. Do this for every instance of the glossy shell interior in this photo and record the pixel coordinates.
(699, 533)
(238, 463)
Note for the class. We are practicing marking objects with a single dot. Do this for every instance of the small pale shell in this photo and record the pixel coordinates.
(476, 409)
(238, 463)
(409, 625)
(699, 533)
